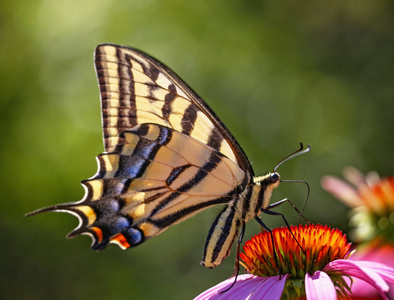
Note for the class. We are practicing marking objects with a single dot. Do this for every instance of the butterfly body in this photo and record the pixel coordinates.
(167, 157)
(228, 223)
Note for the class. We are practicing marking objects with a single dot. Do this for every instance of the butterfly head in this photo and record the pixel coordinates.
(274, 179)
(263, 187)
(268, 181)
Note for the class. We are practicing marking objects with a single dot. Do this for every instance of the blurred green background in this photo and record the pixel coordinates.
(276, 72)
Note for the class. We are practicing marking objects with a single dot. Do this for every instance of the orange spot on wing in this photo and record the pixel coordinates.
(121, 240)
(98, 232)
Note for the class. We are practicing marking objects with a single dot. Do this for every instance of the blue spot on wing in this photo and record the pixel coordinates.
(133, 236)
(113, 205)
(120, 224)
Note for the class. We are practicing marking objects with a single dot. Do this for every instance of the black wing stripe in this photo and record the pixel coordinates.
(127, 90)
(168, 100)
(184, 213)
(176, 173)
(189, 119)
(214, 160)
(215, 139)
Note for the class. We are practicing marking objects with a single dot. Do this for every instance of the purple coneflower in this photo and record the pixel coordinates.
(320, 270)
(371, 219)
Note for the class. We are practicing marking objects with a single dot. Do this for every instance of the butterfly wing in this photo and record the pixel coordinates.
(149, 183)
(167, 154)
(137, 89)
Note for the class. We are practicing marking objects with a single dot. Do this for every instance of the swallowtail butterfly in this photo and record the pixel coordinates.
(167, 157)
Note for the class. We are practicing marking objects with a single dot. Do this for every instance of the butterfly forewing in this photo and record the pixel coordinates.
(137, 89)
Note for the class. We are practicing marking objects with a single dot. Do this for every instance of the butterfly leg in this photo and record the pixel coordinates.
(262, 224)
(269, 207)
(269, 212)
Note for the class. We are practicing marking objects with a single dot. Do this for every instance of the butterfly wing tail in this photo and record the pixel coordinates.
(54, 208)
(99, 212)
(101, 231)
(86, 216)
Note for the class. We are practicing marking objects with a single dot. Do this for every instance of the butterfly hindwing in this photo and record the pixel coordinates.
(137, 89)
(149, 183)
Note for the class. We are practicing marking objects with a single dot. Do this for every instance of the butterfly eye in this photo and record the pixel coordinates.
(274, 177)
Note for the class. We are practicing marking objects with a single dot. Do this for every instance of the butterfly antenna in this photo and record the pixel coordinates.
(293, 154)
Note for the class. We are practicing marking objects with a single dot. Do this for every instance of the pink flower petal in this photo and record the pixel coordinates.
(358, 270)
(214, 292)
(271, 289)
(241, 290)
(342, 191)
(386, 272)
(354, 176)
(319, 286)
(246, 287)
(375, 251)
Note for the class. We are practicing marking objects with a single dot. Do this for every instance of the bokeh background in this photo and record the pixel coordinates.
(276, 72)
